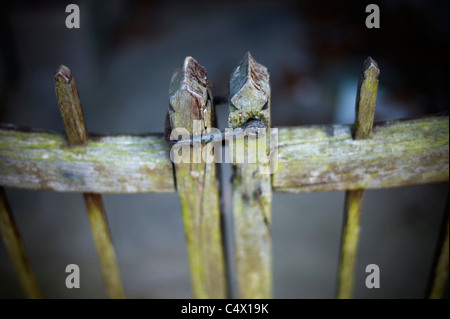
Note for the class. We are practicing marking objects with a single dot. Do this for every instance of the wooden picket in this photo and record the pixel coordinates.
(349, 158)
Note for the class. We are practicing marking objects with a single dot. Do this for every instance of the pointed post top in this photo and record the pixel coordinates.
(64, 72)
(370, 68)
(189, 96)
(189, 78)
(366, 99)
(70, 106)
(249, 93)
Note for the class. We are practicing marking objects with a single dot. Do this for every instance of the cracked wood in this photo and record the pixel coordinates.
(197, 186)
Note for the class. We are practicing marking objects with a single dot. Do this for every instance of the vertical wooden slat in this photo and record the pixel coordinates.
(16, 249)
(72, 114)
(349, 242)
(439, 275)
(191, 99)
(365, 110)
(251, 190)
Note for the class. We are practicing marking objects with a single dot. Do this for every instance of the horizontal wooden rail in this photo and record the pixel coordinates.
(109, 164)
(398, 153)
(312, 158)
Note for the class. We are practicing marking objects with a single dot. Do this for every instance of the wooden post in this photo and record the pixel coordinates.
(365, 110)
(16, 249)
(439, 274)
(251, 190)
(72, 114)
(191, 100)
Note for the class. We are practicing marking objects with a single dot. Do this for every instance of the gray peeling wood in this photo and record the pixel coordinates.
(310, 158)
(251, 190)
(109, 164)
(398, 153)
(190, 99)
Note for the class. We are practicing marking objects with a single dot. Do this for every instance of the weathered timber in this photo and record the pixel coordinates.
(310, 158)
(106, 164)
(196, 182)
(251, 190)
(70, 106)
(16, 249)
(249, 93)
(103, 242)
(366, 98)
(72, 115)
(439, 276)
(349, 243)
(365, 110)
(398, 153)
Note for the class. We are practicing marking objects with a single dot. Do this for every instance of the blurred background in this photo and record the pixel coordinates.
(123, 56)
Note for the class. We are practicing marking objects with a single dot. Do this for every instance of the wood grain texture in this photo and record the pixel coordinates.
(105, 164)
(16, 249)
(365, 111)
(70, 106)
(197, 185)
(251, 190)
(249, 93)
(439, 268)
(398, 153)
(72, 115)
(349, 243)
(310, 158)
(103, 242)
(366, 98)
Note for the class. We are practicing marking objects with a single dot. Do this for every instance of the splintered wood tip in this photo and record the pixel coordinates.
(370, 65)
(190, 77)
(65, 72)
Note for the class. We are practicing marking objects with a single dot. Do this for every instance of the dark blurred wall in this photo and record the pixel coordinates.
(123, 57)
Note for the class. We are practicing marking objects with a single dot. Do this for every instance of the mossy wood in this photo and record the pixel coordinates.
(197, 185)
(310, 158)
(16, 250)
(105, 164)
(365, 110)
(251, 190)
(398, 153)
(72, 115)
(439, 271)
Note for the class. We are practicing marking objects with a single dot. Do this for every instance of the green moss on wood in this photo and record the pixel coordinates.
(251, 190)
(197, 186)
(111, 164)
(398, 153)
(310, 158)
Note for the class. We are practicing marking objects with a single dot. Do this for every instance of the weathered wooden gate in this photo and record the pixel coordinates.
(314, 158)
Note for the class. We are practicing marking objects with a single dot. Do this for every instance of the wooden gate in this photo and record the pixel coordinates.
(304, 159)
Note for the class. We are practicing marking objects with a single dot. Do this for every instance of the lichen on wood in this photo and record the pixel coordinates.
(439, 270)
(365, 111)
(72, 115)
(366, 99)
(16, 249)
(197, 185)
(249, 93)
(251, 190)
(105, 164)
(70, 105)
(398, 153)
(310, 158)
